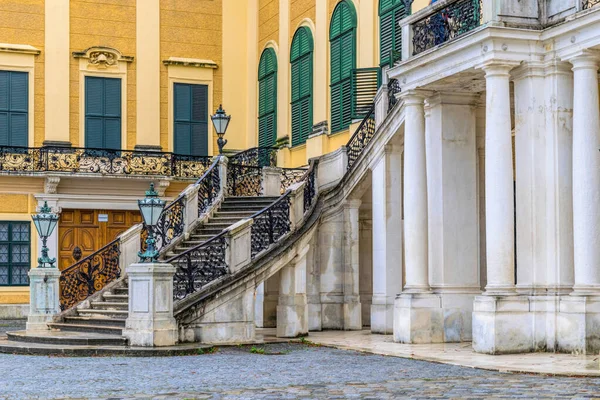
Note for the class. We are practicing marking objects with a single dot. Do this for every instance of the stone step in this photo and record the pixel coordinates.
(117, 298)
(90, 312)
(225, 220)
(242, 207)
(109, 305)
(95, 321)
(68, 338)
(233, 214)
(210, 231)
(115, 330)
(121, 290)
(250, 199)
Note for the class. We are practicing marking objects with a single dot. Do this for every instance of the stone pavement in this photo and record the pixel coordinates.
(11, 325)
(287, 371)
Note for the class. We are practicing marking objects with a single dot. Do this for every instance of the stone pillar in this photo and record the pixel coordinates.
(386, 189)
(292, 310)
(270, 300)
(352, 307)
(259, 298)
(44, 298)
(331, 263)
(150, 321)
(313, 285)
(415, 194)
(271, 181)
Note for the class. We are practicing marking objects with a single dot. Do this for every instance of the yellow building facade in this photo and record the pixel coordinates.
(144, 76)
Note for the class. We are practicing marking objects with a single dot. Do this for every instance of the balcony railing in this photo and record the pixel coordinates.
(76, 160)
(446, 23)
(585, 4)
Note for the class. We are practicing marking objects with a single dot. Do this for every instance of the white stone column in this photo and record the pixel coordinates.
(415, 193)
(386, 190)
(586, 174)
(292, 310)
(352, 307)
(499, 190)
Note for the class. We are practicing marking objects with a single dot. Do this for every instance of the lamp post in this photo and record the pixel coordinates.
(220, 121)
(45, 221)
(151, 207)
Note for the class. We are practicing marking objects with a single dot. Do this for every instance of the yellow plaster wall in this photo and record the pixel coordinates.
(190, 29)
(22, 22)
(299, 10)
(419, 4)
(109, 23)
(268, 23)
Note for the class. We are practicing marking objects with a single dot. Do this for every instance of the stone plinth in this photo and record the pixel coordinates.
(150, 321)
(292, 316)
(578, 325)
(43, 292)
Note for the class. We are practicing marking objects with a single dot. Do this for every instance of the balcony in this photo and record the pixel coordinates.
(102, 162)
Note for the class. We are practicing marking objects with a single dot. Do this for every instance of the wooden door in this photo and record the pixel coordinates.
(82, 232)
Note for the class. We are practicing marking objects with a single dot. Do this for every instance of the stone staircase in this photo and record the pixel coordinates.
(103, 322)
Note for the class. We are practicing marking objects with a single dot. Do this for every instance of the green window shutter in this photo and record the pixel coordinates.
(302, 64)
(267, 98)
(15, 253)
(190, 119)
(103, 113)
(14, 105)
(390, 33)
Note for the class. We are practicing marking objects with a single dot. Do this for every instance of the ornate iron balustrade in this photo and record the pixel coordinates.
(256, 156)
(270, 224)
(244, 180)
(446, 24)
(365, 83)
(90, 275)
(361, 137)
(100, 161)
(208, 187)
(586, 4)
(289, 176)
(170, 225)
(393, 89)
(310, 189)
(199, 266)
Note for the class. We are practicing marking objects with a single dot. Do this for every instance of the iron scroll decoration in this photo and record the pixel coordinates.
(586, 4)
(270, 224)
(361, 138)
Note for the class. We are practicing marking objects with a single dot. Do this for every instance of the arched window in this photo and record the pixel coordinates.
(267, 98)
(390, 33)
(342, 39)
(301, 58)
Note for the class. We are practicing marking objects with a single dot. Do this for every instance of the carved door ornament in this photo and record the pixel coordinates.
(77, 253)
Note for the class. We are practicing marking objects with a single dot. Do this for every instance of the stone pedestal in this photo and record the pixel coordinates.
(578, 325)
(43, 292)
(502, 325)
(292, 316)
(150, 321)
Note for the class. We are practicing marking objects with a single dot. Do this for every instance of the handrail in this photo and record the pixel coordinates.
(256, 156)
(270, 224)
(361, 137)
(208, 187)
(88, 160)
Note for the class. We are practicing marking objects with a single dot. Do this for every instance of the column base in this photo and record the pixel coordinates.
(221, 332)
(382, 315)
(432, 317)
(502, 324)
(332, 312)
(578, 325)
(38, 322)
(141, 332)
(43, 298)
(352, 313)
(292, 316)
(314, 314)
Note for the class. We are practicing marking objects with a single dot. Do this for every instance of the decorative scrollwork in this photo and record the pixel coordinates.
(101, 161)
(310, 189)
(289, 176)
(361, 138)
(89, 275)
(244, 180)
(208, 187)
(393, 87)
(446, 24)
(198, 266)
(170, 225)
(256, 156)
(270, 224)
(586, 4)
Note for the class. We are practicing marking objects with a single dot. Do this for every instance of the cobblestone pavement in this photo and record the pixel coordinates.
(295, 372)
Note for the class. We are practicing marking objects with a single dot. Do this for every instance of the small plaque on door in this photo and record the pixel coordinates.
(102, 217)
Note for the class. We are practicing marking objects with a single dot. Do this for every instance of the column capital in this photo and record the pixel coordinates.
(585, 59)
(457, 98)
(557, 67)
(497, 67)
(529, 69)
(415, 96)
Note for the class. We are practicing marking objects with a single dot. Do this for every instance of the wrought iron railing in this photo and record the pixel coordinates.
(365, 83)
(270, 224)
(289, 176)
(446, 24)
(310, 189)
(586, 4)
(393, 89)
(100, 161)
(198, 266)
(361, 137)
(208, 187)
(244, 180)
(90, 275)
(170, 226)
(256, 156)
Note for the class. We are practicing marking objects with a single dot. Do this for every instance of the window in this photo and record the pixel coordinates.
(190, 119)
(267, 98)
(103, 113)
(390, 33)
(14, 253)
(342, 39)
(13, 108)
(301, 58)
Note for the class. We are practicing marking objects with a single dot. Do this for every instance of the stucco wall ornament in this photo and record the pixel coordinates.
(102, 57)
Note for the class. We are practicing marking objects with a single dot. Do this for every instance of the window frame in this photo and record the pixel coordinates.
(10, 244)
(191, 121)
(104, 116)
